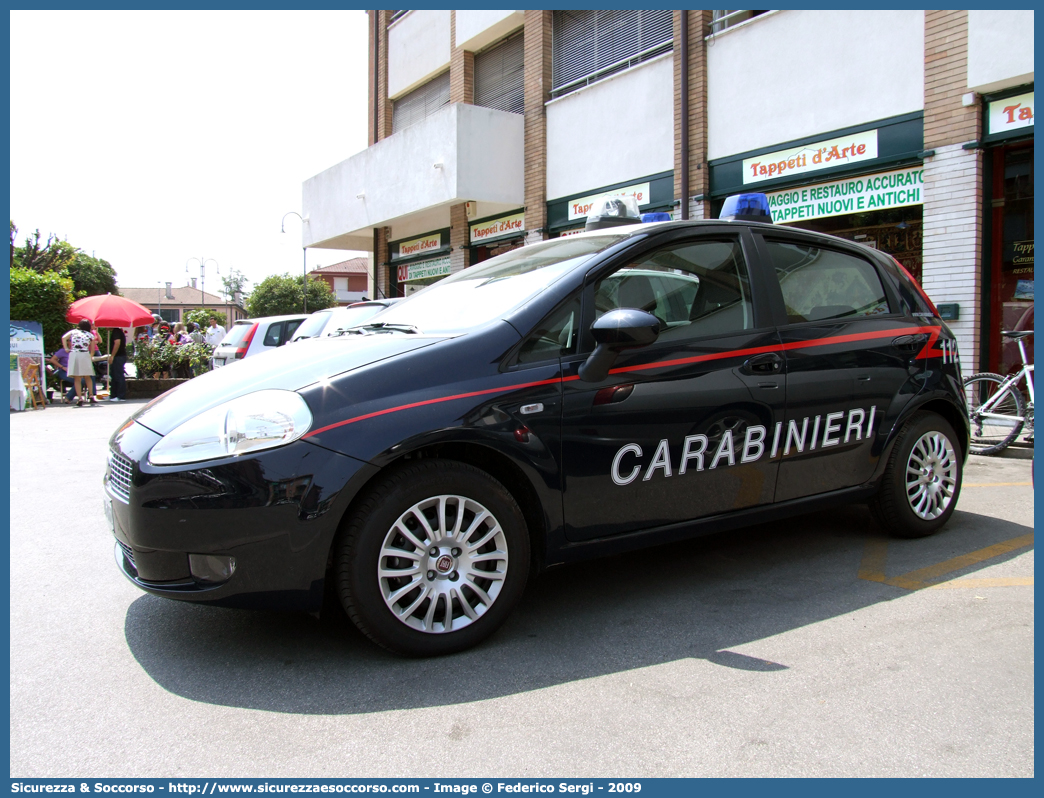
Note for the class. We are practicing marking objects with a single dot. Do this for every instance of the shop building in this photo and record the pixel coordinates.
(910, 131)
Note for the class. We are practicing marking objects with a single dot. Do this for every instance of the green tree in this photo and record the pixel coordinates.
(201, 317)
(44, 298)
(54, 256)
(281, 294)
(92, 276)
(234, 283)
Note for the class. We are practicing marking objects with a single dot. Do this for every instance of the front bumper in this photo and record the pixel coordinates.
(275, 512)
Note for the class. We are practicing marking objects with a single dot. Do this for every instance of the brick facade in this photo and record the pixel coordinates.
(699, 22)
(952, 269)
(459, 252)
(537, 48)
(462, 68)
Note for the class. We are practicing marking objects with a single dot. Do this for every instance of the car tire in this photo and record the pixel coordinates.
(922, 480)
(444, 525)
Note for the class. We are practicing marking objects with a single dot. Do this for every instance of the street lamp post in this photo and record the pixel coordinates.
(304, 251)
(202, 276)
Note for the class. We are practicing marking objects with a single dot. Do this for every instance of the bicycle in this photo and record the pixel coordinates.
(996, 407)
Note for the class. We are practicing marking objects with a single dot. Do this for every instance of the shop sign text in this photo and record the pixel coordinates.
(897, 189)
(418, 246)
(515, 224)
(1012, 113)
(579, 208)
(811, 157)
(437, 267)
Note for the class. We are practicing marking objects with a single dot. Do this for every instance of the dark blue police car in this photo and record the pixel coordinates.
(628, 386)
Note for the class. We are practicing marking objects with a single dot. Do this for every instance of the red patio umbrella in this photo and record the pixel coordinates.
(109, 311)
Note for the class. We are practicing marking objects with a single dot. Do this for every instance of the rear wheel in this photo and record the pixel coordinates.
(997, 415)
(922, 479)
(433, 560)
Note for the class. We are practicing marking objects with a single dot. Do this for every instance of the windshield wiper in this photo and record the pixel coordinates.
(380, 327)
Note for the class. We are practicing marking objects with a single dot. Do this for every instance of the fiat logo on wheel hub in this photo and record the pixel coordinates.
(444, 564)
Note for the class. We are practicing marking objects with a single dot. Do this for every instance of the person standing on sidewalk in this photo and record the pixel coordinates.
(215, 332)
(80, 343)
(117, 364)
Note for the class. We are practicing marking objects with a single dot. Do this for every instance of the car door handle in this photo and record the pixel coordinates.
(769, 363)
(909, 343)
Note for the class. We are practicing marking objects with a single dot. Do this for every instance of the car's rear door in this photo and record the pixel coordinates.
(850, 361)
(677, 430)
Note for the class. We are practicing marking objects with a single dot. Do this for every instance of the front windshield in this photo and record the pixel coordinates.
(476, 296)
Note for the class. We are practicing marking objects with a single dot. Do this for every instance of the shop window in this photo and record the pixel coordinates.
(726, 19)
(1011, 267)
(695, 289)
(587, 46)
(420, 103)
(820, 284)
(556, 336)
(500, 76)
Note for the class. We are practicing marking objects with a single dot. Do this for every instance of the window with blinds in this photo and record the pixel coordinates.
(590, 45)
(499, 76)
(421, 102)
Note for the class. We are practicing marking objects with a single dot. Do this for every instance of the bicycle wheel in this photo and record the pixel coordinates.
(999, 423)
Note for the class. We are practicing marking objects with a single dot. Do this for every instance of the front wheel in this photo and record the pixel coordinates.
(996, 414)
(922, 479)
(434, 558)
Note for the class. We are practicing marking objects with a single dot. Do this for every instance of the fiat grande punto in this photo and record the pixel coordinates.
(628, 386)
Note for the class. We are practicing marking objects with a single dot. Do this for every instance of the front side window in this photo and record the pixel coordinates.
(695, 289)
(820, 284)
(556, 336)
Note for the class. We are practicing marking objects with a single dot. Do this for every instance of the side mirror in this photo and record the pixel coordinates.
(617, 330)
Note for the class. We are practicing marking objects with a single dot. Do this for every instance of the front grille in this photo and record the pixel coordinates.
(120, 471)
(128, 552)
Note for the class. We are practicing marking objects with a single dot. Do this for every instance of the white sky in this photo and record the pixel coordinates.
(152, 137)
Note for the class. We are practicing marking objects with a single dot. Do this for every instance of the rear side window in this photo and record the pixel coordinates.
(291, 328)
(272, 336)
(821, 284)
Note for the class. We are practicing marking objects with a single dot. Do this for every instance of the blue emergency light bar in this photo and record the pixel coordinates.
(746, 208)
(656, 216)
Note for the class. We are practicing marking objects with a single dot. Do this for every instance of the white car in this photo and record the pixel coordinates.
(328, 322)
(248, 337)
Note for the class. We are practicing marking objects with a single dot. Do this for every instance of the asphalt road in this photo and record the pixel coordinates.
(813, 647)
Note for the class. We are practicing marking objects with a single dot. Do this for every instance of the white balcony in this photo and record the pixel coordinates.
(409, 181)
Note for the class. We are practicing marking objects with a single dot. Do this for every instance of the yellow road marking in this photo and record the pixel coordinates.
(1000, 581)
(875, 553)
(996, 484)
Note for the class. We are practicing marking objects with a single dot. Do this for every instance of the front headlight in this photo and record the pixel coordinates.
(260, 420)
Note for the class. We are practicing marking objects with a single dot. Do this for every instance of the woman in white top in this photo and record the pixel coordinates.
(81, 345)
